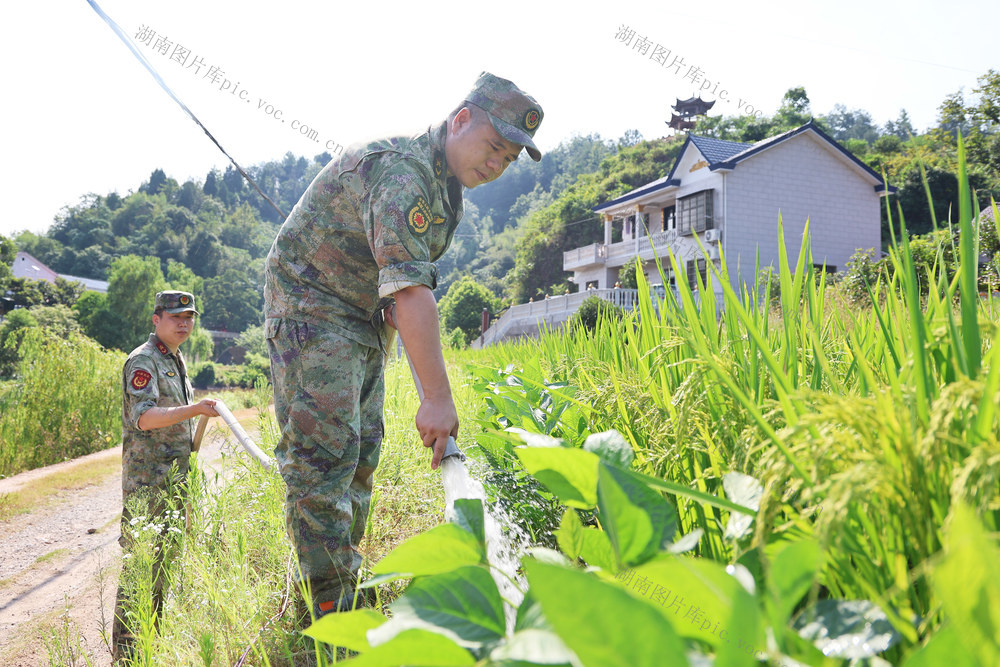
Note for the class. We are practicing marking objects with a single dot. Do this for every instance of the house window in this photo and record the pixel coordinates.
(695, 268)
(830, 270)
(694, 213)
(669, 219)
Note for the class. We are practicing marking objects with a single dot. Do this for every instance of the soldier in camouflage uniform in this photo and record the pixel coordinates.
(364, 236)
(157, 431)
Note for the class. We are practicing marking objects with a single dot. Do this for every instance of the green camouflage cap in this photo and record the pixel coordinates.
(175, 302)
(514, 114)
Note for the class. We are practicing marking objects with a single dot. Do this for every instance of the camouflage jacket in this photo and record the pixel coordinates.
(153, 377)
(371, 223)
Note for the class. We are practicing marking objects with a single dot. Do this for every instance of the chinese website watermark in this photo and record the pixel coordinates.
(216, 76)
(692, 613)
(669, 60)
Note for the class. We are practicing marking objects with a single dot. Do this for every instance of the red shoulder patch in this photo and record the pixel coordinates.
(162, 348)
(140, 379)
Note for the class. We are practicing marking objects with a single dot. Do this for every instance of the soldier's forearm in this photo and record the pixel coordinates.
(417, 322)
(162, 417)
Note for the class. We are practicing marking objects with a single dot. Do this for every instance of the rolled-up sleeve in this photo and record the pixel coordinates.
(398, 220)
(141, 388)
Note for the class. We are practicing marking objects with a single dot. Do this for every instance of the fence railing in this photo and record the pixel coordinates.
(524, 319)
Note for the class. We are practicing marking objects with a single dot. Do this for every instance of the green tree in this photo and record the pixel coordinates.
(199, 346)
(132, 286)
(794, 110)
(462, 307)
(8, 251)
(628, 274)
(11, 333)
(58, 321)
(236, 301)
(252, 340)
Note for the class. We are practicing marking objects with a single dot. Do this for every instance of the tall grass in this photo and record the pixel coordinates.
(64, 402)
(231, 589)
(866, 426)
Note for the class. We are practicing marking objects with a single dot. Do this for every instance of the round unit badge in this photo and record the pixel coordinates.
(531, 119)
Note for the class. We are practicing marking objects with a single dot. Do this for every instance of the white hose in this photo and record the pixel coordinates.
(241, 435)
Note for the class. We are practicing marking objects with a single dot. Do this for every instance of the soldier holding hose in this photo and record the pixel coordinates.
(157, 436)
(363, 236)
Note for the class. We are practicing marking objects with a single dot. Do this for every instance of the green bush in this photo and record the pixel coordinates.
(463, 306)
(627, 275)
(204, 375)
(454, 339)
(64, 403)
(591, 311)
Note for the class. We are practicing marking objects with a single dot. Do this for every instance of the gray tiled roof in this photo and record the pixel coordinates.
(717, 150)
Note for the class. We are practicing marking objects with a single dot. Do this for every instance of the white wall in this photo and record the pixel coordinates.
(802, 179)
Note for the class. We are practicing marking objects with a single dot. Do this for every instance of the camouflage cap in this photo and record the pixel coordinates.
(175, 302)
(514, 114)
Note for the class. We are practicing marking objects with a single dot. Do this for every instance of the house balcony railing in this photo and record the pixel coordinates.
(585, 256)
(617, 254)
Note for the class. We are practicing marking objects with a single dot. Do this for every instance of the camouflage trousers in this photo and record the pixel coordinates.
(328, 395)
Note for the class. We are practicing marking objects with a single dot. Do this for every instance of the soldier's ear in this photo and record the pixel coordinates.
(462, 121)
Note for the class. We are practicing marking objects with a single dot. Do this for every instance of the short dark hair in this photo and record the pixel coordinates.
(159, 310)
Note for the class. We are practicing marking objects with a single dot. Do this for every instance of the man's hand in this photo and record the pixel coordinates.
(436, 420)
(206, 406)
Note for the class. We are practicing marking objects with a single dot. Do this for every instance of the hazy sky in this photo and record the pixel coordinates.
(81, 115)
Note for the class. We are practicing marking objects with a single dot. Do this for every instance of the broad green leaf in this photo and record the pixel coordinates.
(347, 629)
(440, 549)
(597, 550)
(695, 594)
(468, 513)
(739, 639)
(791, 575)
(742, 490)
(571, 474)
(967, 585)
(637, 519)
(611, 447)
(533, 647)
(946, 647)
(600, 623)
(846, 628)
(463, 605)
(570, 534)
(417, 648)
(529, 615)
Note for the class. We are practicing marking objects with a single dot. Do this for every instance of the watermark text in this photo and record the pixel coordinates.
(669, 60)
(217, 77)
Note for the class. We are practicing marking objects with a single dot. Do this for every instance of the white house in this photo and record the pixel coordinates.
(26, 266)
(726, 195)
(730, 195)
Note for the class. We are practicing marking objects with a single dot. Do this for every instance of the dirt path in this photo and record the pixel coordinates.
(59, 563)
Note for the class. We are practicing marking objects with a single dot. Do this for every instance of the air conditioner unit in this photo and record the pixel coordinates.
(713, 252)
(712, 235)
